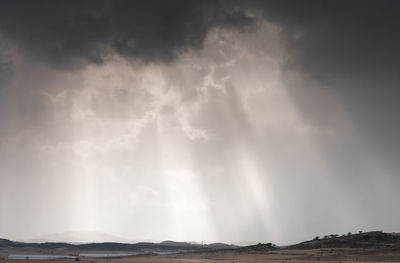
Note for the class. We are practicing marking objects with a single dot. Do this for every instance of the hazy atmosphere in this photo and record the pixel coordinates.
(228, 121)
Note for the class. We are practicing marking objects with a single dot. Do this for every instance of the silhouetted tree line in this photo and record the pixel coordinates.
(335, 235)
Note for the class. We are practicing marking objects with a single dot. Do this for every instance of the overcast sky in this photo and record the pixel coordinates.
(269, 121)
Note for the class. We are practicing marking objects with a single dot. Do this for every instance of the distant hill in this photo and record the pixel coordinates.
(367, 239)
(376, 239)
(220, 246)
(5, 243)
(260, 247)
(78, 237)
(114, 246)
(174, 243)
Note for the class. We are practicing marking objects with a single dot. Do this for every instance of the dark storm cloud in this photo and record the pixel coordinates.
(5, 67)
(341, 37)
(328, 38)
(5, 71)
(59, 32)
(352, 48)
(128, 129)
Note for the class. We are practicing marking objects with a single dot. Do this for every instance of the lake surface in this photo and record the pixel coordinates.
(164, 252)
(112, 255)
(87, 255)
(37, 256)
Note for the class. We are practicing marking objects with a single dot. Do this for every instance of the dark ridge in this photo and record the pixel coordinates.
(114, 246)
(5, 243)
(375, 239)
(260, 247)
(174, 243)
(360, 240)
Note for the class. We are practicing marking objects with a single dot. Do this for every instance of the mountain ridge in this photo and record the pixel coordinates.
(167, 245)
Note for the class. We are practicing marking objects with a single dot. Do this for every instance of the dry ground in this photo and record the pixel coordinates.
(277, 256)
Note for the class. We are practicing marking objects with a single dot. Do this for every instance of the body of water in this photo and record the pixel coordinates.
(38, 256)
(112, 255)
(164, 252)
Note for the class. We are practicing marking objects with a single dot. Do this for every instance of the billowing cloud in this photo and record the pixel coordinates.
(62, 33)
(195, 118)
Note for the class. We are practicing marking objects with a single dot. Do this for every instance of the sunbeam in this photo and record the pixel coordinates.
(217, 121)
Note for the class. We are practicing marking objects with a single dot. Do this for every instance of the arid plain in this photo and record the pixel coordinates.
(312, 255)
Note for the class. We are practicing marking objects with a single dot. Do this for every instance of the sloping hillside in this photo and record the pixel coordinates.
(367, 239)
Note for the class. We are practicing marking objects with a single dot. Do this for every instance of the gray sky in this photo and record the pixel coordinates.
(209, 120)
